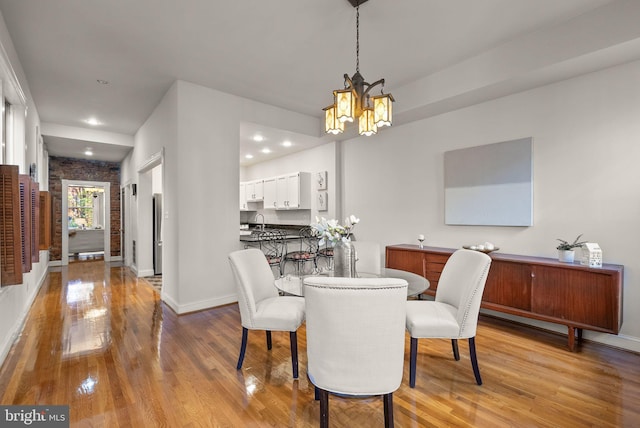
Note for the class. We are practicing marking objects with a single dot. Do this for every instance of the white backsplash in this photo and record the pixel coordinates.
(294, 217)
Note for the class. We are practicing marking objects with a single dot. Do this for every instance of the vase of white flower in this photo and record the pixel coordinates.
(344, 254)
(344, 259)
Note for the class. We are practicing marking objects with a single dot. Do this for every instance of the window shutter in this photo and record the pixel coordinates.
(10, 232)
(25, 222)
(35, 221)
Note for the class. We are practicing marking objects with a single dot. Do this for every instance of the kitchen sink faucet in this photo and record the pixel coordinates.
(261, 224)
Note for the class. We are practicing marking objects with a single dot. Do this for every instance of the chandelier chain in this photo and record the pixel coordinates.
(354, 102)
(358, 37)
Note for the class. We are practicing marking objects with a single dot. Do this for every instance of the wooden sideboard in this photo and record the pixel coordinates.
(545, 289)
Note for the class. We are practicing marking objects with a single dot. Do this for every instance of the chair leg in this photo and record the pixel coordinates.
(243, 348)
(388, 410)
(293, 337)
(474, 360)
(456, 352)
(269, 344)
(324, 408)
(412, 362)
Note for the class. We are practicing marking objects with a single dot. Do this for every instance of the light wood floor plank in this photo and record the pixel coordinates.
(100, 340)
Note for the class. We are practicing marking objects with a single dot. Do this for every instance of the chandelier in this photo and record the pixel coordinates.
(354, 102)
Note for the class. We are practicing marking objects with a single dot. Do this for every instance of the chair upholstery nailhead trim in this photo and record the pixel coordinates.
(475, 291)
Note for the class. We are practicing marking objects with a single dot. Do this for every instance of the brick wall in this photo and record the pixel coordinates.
(83, 170)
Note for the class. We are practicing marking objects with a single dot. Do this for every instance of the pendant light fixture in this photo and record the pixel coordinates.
(354, 102)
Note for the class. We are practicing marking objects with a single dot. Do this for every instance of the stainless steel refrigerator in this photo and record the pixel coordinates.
(157, 234)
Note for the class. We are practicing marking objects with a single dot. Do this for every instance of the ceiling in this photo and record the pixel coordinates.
(287, 53)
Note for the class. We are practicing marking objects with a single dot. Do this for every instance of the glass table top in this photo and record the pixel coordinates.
(293, 285)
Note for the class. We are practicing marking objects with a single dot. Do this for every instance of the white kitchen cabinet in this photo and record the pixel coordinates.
(284, 192)
(270, 199)
(255, 190)
(243, 196)
(293, 191)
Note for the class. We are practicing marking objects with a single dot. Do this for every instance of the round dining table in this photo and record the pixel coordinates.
(417, 284)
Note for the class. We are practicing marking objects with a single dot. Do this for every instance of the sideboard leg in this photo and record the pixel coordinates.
(572, 338)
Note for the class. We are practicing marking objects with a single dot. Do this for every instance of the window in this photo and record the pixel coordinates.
(86, 206)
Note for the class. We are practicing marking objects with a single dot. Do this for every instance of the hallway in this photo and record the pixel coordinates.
(100, 340)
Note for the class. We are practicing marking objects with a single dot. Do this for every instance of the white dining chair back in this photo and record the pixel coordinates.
(355, 337)
(454, 312)
(461, 285)
(261, 307)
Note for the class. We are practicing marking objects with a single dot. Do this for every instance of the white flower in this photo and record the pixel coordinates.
(331, 231)
(351, 220)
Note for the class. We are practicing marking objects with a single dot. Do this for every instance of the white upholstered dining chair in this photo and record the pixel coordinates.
(355, 338)
(454, 312)
(261, 308)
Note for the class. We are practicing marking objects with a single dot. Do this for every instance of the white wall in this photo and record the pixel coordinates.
(15, 300)
(199, 129)
(158, 132)
(585, 135)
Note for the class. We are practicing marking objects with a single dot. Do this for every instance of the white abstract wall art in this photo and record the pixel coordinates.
(322, 201)
(490, 185)
(321, 180)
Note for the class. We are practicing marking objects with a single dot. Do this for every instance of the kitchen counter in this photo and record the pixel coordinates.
(291, 232)
(255, 237)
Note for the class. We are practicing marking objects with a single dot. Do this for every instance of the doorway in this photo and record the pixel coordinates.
(87, 225)
(147, 212)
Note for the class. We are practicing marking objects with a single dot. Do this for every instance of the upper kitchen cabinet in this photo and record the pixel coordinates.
(244, 197)
(255, 190)
(284, 192)
(293, 191)
(270, 197)
(250, 191)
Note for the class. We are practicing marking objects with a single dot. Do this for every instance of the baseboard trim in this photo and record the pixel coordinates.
(182, 309)
(145, 272)
(17, 328)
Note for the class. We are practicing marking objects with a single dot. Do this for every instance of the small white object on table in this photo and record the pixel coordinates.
(293, 285)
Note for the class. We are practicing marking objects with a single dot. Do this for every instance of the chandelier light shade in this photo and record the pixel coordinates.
(354, 102)
(345, 102)
(366, 126)
(382, 106)
(331, 123)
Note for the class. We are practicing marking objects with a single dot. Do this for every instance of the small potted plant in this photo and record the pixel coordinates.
(566, 252)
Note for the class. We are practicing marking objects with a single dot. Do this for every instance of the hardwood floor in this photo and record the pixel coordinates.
(101, 341)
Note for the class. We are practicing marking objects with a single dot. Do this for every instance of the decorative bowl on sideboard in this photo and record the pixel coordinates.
(482, 250)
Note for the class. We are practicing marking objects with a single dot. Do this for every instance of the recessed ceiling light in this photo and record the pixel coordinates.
(249, 156)
(258, 138)
(93, 121)
(102, 82)
(287, 143)
(265, 150)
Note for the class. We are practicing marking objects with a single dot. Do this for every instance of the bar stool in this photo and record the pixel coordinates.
(307, 250)
(326, 252)
(272, 244)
